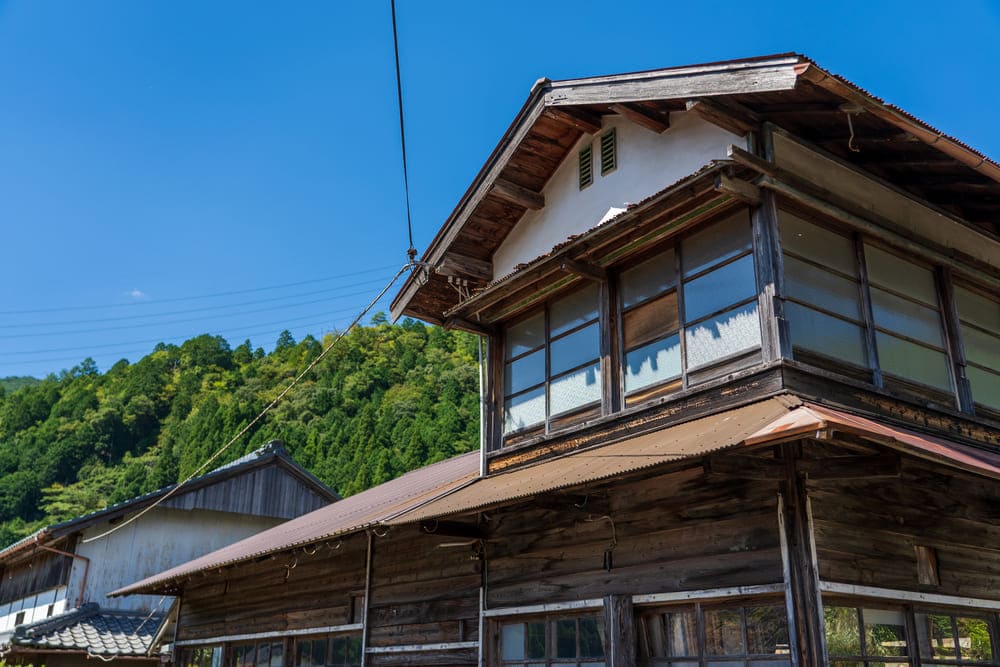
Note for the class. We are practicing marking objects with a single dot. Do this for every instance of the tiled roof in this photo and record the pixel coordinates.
(92, 629)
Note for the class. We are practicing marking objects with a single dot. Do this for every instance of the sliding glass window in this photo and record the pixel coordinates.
(979, 323)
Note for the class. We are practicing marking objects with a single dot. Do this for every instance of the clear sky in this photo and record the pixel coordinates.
(170, 168)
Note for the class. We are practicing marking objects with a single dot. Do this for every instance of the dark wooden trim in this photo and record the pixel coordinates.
(646, 118)
(470, 326)
(517, 194)
(953, 338)
(584, 270)
(768, 269)
(728, 115)
(585, 121)
(455, 264)
(493, 396)
(867, 311)
(738, 189)
(876, 466)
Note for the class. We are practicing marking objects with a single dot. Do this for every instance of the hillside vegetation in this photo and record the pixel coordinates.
(387, 399)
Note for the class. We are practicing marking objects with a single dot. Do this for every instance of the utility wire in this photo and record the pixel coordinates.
(411, 252)
(195, 297)
(263, 412)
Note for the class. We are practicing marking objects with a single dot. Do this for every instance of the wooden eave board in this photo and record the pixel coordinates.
(688, 440)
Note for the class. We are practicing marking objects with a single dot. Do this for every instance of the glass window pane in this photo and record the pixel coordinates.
(536, 640)
(716, 243)
(525, 372)
(354, 651)
(303, 653)
(723, 632)
(822, 288)
(565, 632)
(981, 348)
(974, 638)
(591, 638)
(263, 655)
(818, 244)
(885, 632)
(657, 274)
(906, 317)
(843, 636)
(526, 335)
(512, 641)
(578, 388)
(573, 310)
(894, 272)
(653, 363)
(913, 362)
(718, 289)
(826, 335)
(731, 332)
(319, 652)
(977, 309)
(935, 636)
(985, 386)
(650, 320)
(525, 410)
(574, 349)
(767, 630)
(682, 633)
(338, 651)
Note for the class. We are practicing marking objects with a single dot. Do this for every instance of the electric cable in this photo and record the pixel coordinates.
(411, 252)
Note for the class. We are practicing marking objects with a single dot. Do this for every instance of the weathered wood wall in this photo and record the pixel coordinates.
(867, 530)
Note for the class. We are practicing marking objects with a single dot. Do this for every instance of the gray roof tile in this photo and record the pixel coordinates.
(91, 629)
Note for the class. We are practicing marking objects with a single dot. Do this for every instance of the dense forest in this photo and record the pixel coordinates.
(386, 399)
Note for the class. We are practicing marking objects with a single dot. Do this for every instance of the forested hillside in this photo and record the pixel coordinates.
(388, 398)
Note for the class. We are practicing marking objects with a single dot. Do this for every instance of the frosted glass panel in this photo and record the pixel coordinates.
(985, 386)
(817, 243)
(826, 335)
(977, 309)
(525, 372)
(718, 289)
(911, 361)
(525, 335)
(900, 275)
(573, 310)
(821, 288)
(525, 410)
(981, 348)
(716, 243)
(655, 275)
(731, 332)
(576, 389)
(653, 363)
(574, 349)
(512, 641)
(906, 317)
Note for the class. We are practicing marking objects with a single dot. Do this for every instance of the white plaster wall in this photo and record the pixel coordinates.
(647, 163)
(35, 608)
(158, 541)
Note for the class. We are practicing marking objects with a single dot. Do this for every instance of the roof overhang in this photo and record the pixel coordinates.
(788, 90)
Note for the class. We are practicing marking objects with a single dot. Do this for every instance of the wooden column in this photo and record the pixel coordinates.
(770, 283)
(805, 602)
(619, 631)
(368, 594)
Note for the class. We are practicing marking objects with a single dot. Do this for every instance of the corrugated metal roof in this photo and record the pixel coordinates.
(365, 509)
(810, 418)
(688, 440)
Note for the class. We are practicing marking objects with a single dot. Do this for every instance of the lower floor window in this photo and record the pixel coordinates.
(870, 637)
(261, 654)
(201, 656)
(553, 641)
(723, 636)
(331, 651)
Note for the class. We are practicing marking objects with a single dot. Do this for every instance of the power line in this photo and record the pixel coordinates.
(133, 304)
(213, 308)
(411, 252)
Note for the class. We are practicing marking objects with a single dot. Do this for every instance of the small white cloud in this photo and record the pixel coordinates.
(136, 293)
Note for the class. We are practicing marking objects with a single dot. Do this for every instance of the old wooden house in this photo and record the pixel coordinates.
(53, 584)
(741, 403)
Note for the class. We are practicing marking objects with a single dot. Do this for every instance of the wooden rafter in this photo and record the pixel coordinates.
(730, 116)
(584, 121)
(518, 194)
(463, 266)
(647, 118)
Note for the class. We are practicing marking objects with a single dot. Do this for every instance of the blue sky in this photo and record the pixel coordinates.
(175, 168)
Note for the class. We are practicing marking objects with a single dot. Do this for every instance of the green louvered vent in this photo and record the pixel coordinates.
(586, 166)
(609, 152)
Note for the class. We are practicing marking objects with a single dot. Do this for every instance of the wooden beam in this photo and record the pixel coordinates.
(850, 467)
(647, 118)
(741, 466)
(518, 194)
(927, 565)
(452, 529)
(584, 121)
(742, 190)
(468, 325)
(619, 630)
(730, 116)
(463, 266)
(584, 270)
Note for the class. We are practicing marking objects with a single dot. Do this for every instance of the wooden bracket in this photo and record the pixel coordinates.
(584, 121)
(740, 189)
(728, 115)
(647, 118)
(518, 194)
(463, 266)
(584, 269)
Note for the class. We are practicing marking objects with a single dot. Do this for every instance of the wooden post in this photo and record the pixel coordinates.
(619, 631)
(801, 571)
(770, 284)
(367, 603)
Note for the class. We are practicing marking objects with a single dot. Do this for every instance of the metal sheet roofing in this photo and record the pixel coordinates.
(688, 440)
(92, 630)
(353, 513)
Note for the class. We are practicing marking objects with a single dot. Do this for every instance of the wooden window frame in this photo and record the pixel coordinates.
(293, 653)
(548, 619)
